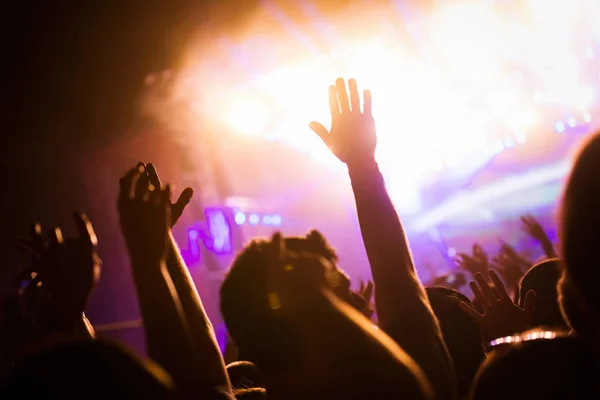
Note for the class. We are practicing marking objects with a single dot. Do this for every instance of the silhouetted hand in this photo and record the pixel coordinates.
(534, 229)
(352, 137)
(511, 265)
(64, 271)
(361, 299)
(474, 263)
(500, 317)
(144, 214)
(183, 200)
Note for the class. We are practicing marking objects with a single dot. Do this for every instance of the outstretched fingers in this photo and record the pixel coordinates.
(126, 184)
(342, 95)
(334, 105)
(367, 107)
(354, 98)
(153, 175)
(85, 228)
(499, 287)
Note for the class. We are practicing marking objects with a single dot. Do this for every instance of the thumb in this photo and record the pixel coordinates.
(529, 304)
(180, 204)
(184, 198)
(321, 131)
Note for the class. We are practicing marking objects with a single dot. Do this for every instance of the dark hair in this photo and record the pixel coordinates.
(462, 334)
(543, 279)
(244, 375)
(580, 225)
(560, 368)
(91, 368)
(266, 339)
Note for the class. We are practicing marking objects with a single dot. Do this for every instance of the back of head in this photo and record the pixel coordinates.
(266, 339)
(462, 334)
(559, 368)
(244, 375)
(91, 369)
(543, 279)
(580, 225)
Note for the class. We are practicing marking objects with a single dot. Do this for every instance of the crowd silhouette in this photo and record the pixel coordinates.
(530, 331)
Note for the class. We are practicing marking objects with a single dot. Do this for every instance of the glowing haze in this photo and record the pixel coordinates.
(452, 84)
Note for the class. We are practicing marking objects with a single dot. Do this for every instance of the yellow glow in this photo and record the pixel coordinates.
(464, 68)
(246, 116)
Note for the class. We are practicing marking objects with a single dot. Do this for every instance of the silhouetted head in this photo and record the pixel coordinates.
(266, 339)
(580, 229)
(543, 279)
(462, 334)
(560, 368)
(244, 375)
(92, 369)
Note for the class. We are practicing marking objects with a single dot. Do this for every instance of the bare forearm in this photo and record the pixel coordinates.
(202, 334)
(167, 336)
(402, 306)
(398, 289)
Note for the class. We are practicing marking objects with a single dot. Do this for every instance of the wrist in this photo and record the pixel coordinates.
(361, 166)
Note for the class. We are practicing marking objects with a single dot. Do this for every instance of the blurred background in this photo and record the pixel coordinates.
(479, 106)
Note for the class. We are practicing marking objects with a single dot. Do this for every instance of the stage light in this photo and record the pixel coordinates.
(559, 127)
(246, 116)
(219, 229)
(276, 220)
(253, 219)
(451, 251)
(520, 138)
(239, 218)
(193, 234)
(509, 143)
(572, 122)
(587, 117)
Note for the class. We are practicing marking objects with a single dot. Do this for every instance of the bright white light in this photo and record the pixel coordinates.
(253, 219)
(246, 116)
(438, 105)
(239, 218)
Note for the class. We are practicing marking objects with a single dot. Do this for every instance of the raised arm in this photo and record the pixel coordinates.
(402, 306)
(202, 333)
(145, 217)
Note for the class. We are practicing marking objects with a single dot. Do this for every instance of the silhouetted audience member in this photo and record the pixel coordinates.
(543, 279)
(462, 334)
(560, 368)
(244, 375)
(90, 369)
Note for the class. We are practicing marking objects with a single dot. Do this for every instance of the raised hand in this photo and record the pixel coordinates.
(144, 214)
(510, 265)
(533, 228)
(183, 200)
(474, 263)
(500, 317)
(63, 272)
(352, 137)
